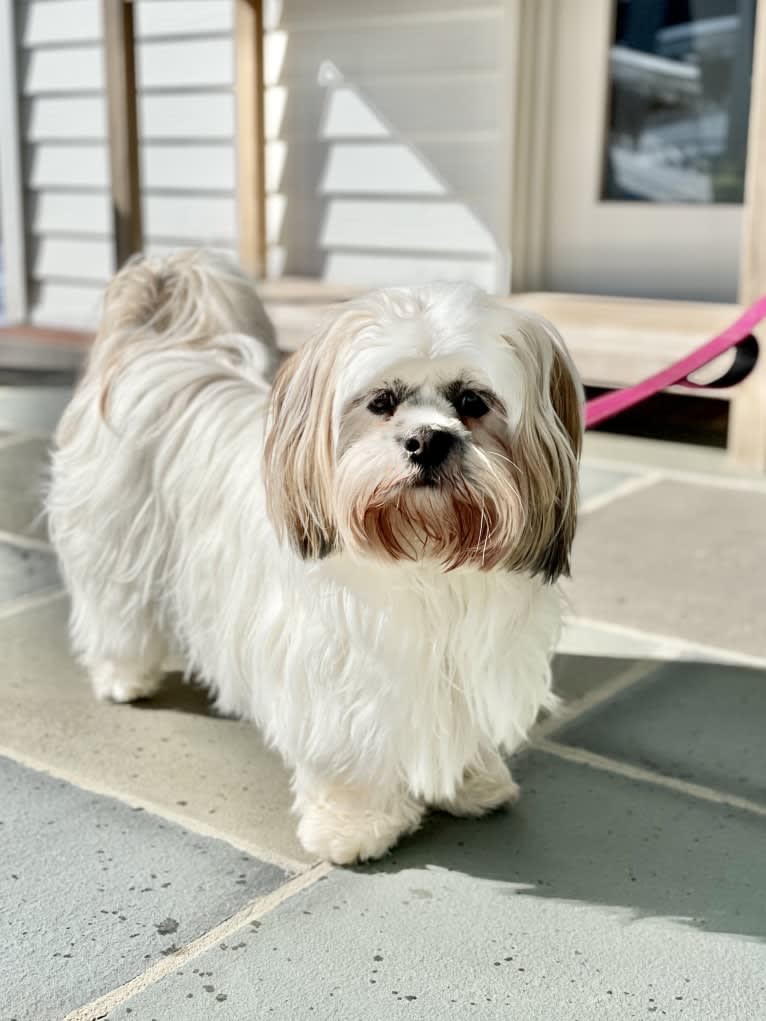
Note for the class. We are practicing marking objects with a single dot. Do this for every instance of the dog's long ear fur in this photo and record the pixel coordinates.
(299, 452)
(546, 450)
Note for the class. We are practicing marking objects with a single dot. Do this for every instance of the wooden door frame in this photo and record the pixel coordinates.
(533, 140)
(533, 128)
(534, 28)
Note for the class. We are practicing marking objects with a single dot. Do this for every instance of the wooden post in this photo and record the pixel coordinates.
(119, 50)
(747, 415)
(250, 136)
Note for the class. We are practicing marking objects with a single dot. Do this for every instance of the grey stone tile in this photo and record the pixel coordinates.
(93, 892)
(637, 454)
(32, 409)
(677, 559)
(702, 722)
(577, 676)
(24, 571)
(580, 638)
(22, 479)
(595, 898)
(171, 753)
(595, 480)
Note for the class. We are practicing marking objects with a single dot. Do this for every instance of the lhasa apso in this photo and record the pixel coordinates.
(360, 557)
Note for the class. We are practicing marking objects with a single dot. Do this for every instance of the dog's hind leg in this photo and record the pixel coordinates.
(118, 642)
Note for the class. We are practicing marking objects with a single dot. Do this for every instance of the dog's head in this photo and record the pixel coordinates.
(428, 424)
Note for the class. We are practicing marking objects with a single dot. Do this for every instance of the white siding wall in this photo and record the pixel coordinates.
(186, 112)
(63, 125)
(187, 120)
(386, 134)
(386, 125)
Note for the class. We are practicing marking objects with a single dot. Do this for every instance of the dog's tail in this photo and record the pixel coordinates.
(193, 299)
(189, 297)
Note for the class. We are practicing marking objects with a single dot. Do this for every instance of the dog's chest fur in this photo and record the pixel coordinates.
(416, 668)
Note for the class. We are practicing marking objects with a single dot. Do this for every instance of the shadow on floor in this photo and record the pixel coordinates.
(579, 834)
(181, 696)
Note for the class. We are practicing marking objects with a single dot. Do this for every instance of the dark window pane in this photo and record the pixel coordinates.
(679, 74)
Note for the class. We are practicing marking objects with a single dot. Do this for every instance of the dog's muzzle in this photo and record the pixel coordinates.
(429, 449)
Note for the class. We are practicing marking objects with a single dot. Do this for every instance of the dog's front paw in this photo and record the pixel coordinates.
(341, 835)
(121, 682)
(484, 789)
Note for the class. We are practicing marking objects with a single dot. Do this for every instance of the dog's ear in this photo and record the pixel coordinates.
(546, 449)
(299, 451)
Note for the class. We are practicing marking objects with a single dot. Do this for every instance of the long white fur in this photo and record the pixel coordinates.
(386, 686)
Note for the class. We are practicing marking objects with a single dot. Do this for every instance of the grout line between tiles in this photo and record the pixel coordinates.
(572, 710)
(670, 647)
(189, 823)
(744, 483)
(25, 541)
(258, 909)
(626, 488)
(30, 602)
(583, 757)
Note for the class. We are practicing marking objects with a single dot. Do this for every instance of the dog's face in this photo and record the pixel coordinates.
(428, 424)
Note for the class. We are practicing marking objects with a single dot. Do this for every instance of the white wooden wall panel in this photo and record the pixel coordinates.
(65, 118)
(62, 69)
(185, 62)
(187, 124)
(187, 167)
(194, 116)
(51, 165)
(387, 128)
(69, 213)
(187, 219)
(176, 17)
(65, 21)
(75, 305)
(73, 259)
(386, 125)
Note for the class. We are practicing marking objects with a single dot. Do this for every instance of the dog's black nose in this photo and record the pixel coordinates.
(429, 447)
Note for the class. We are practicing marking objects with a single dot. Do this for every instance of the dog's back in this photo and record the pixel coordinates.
(171, 330)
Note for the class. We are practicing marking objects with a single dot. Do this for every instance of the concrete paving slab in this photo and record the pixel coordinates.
(22, 476)
(577, 676)
(596, 898)
(701, 722)
(93, 892)
(172, 754)
(597, 481)
(24, 571)
(579, 638)
(635, 453)
(32, 409)
(677, 559)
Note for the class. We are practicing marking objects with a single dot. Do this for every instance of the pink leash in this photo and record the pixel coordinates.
(738, 335)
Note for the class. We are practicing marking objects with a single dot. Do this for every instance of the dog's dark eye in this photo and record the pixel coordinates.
(383, 403)
(469, 405)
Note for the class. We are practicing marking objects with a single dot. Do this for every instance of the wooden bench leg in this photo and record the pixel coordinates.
(747, 419)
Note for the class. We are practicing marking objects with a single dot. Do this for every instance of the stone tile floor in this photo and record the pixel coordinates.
(149, 865)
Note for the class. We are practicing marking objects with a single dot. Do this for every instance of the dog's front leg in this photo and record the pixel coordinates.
(345, 822)
(487, 784)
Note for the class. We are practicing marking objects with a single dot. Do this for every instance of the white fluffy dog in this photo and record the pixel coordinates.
(360, 558)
